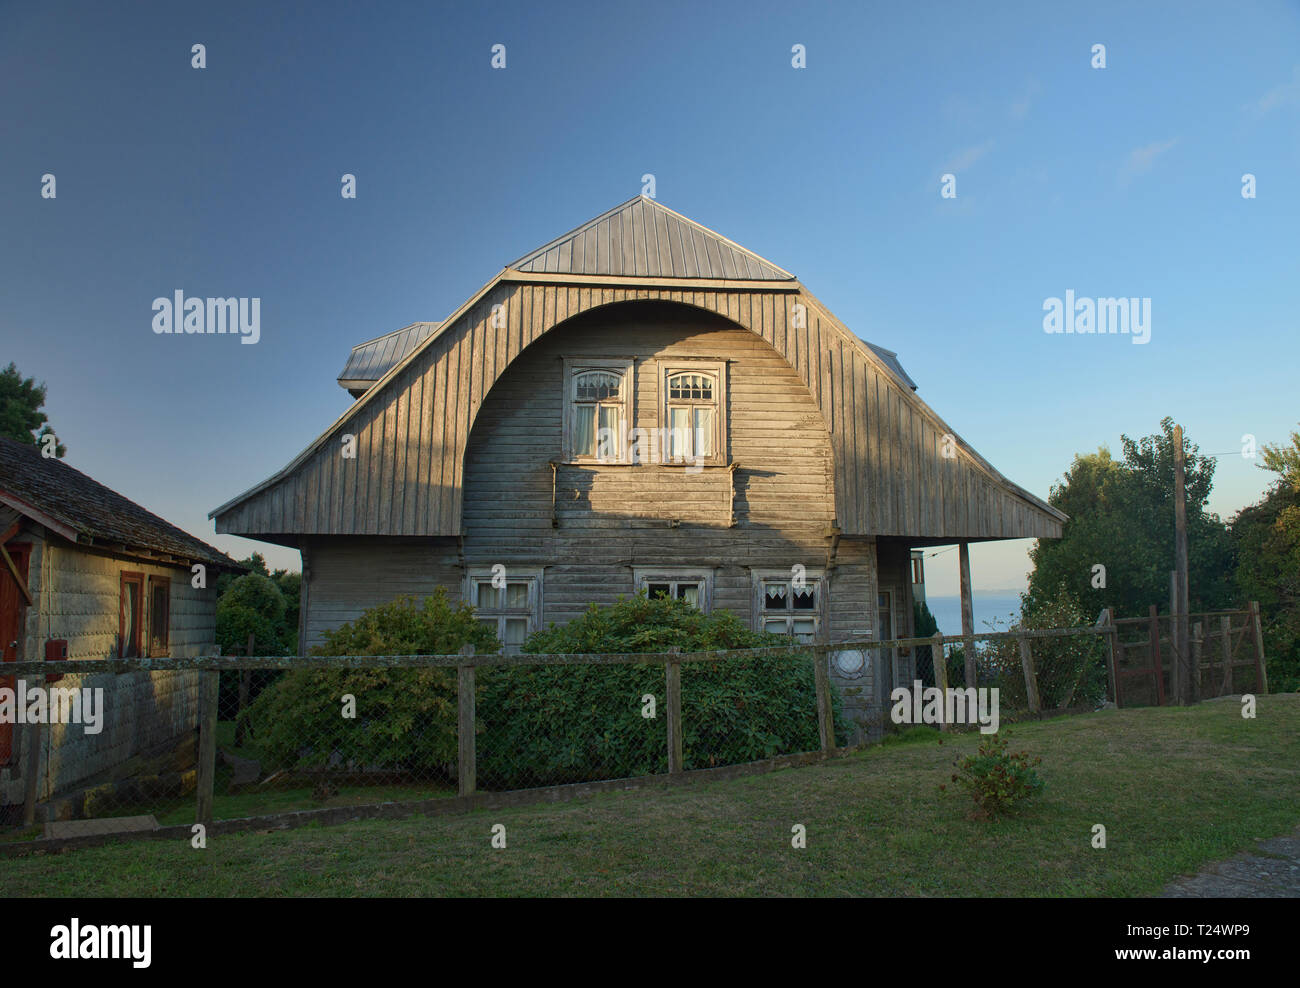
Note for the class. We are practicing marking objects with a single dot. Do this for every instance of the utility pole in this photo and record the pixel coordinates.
(1180, 631)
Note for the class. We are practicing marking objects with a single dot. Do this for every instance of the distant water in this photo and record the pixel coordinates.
(987, 606)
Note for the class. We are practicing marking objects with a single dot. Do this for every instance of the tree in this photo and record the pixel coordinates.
(1284, 461)
(252, 605)
(290, 586)
(21, 417)
(1266, 537)
(1122, 518)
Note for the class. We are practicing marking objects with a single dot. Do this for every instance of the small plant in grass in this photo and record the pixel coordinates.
(996, 779)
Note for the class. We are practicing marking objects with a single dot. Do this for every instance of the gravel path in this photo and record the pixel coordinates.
(1272, 873)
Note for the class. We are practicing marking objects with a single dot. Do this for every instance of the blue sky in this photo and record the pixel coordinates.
(225, 181)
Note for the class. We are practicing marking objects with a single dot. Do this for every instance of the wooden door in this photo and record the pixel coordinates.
(11, 611)
(885, 624)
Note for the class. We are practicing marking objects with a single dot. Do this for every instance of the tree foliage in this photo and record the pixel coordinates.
(1122, 517)
(21, 418)
(1266, 536)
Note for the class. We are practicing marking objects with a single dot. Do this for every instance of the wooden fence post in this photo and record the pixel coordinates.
(1112, 655)
(1196, 651)
(209, 693)
(940, 663)
(1031, 677)
(673, 696)
(31, 784)
(1225, 626)
(1154, 635)
(825, 711)
(466, 767)
(1261, 668)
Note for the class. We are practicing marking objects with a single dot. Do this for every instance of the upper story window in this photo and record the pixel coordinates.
(693, 411)
(597, 410)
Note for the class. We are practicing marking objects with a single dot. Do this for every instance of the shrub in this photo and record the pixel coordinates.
(543, 724)
(574, 723)
(405, 718)
(997, 780)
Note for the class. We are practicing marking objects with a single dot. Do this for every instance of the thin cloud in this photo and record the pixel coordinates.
(1283, 95)
(1019, 109)
(1143, 159)
(968, 156)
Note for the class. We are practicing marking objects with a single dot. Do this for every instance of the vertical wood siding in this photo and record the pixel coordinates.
(889, 476)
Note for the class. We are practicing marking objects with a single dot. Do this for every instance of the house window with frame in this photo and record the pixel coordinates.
(597, 414)
(160, 618)
(691, 585)
(693, 411)
(785, 608)
(510, 605)
(130, 619)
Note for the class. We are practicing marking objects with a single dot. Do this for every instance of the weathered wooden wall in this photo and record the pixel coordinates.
(890, 477)
(611, 518)
(351, 574)
(77, 596)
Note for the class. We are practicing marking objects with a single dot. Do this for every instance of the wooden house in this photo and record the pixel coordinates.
(86, 573)
(640, 403)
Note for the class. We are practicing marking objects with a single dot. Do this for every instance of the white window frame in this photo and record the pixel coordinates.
(514, 574)
(717, 369)
(643, 576)
(759, 578)
(626, 367)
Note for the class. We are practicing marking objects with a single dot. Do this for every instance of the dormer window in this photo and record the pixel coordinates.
(693, 412)
(597, 411)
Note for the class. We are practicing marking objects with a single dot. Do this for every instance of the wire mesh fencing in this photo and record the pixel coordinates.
(260, 737)
(136, 745)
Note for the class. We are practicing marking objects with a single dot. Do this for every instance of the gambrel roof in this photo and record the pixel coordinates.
(899, 469)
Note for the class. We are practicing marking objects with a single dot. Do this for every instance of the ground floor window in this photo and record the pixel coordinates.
(509, 601)
(789, 603)
(130, 620)
(160, 617)
(695, 586)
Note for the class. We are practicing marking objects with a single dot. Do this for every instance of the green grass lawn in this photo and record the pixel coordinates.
(1175, 789)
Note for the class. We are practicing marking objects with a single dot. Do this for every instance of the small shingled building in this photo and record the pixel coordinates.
(86, 573)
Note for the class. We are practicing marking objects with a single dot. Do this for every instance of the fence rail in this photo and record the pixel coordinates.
(267, 737)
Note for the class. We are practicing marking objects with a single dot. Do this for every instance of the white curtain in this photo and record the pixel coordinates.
(584, 430)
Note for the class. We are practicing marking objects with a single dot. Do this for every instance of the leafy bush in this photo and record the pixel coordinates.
(997, 781)
(574, 723)
(543, 724)
(405, 718)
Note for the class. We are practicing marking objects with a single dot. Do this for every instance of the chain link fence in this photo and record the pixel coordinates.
(261, 737)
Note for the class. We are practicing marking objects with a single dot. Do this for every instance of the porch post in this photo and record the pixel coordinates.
(967, 612)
